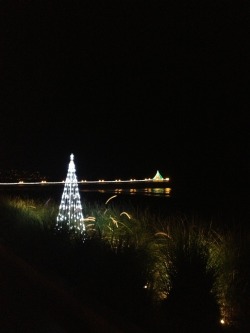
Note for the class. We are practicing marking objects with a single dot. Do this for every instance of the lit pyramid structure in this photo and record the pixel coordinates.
(70, 217)
(158, 176)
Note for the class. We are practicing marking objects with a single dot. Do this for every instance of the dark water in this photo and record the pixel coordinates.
(228, 207)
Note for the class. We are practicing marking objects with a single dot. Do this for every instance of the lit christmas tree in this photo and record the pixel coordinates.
(70, 216)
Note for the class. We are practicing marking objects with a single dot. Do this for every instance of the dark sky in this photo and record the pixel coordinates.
(129, 87)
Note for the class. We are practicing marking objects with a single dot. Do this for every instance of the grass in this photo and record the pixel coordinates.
(174, 273)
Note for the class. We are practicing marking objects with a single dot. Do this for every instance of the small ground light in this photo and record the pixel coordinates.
(222, 321)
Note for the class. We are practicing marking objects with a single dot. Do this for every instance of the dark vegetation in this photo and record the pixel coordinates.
(132, 272)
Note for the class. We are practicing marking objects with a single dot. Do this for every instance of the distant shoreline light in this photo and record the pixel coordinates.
(21, 180)
(146, 180)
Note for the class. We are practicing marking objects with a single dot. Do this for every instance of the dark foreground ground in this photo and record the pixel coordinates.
(34, 300)
(30, 301)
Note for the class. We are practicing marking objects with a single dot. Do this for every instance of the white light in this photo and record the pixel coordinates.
(70, 209)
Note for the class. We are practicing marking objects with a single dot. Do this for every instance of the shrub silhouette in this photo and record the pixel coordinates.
(190, 305)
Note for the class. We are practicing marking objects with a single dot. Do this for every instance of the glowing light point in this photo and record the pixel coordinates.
(70, 216)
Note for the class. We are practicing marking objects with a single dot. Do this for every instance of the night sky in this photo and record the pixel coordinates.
(128, 87)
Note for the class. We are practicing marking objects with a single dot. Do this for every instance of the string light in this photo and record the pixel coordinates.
(70, 215)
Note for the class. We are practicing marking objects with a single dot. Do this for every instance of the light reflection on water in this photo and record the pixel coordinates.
(57, 190)
(162, 192)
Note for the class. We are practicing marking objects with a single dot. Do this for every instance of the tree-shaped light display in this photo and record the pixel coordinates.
(70, 216)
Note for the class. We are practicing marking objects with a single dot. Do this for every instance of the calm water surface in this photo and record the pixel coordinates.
(228, 208)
